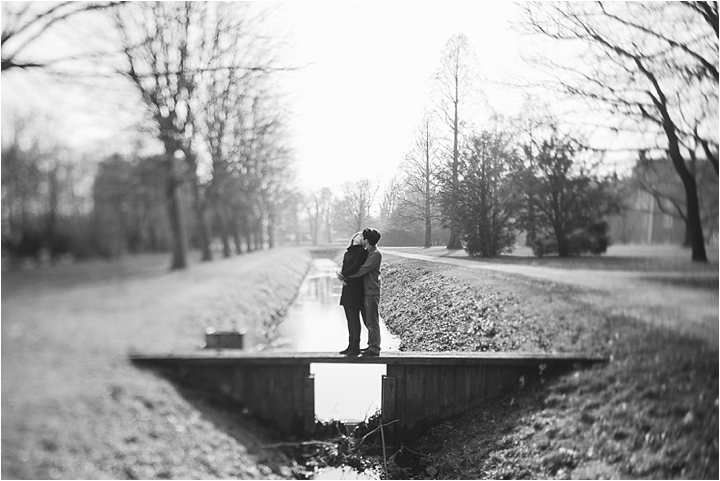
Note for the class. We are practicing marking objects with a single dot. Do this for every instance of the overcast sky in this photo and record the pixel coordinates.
(359, 102)
(366, 84)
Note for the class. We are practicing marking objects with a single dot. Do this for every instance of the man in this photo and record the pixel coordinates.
(370, 272)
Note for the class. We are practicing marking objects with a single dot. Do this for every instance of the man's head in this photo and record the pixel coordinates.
(371, 235)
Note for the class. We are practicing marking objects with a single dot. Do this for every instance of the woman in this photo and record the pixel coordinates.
(353, 292)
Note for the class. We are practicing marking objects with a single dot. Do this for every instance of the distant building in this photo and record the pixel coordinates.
(655, 204)
(644, 223)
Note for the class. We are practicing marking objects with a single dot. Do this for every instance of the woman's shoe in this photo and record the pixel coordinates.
(346, 350)
(352, 352)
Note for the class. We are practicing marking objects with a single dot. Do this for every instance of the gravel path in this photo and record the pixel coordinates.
(657, 297)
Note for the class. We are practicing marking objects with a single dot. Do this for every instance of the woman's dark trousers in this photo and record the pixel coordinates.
(352, 314)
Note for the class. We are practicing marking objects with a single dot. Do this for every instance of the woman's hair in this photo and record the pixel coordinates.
(356, 239)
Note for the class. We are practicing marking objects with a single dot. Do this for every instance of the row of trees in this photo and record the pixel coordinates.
(202, 71)
(648, 71)
(648, 68)
(201, 74)
(201, 77)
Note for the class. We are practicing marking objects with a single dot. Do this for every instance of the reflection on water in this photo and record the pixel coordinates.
(316, 323)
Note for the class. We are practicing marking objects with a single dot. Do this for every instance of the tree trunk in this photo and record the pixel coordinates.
(454, 241)
(428, 232)
(258, 235)
(561, 240)
(428, 218)
(694, 223)
(52, 214)
(202, 223)
(271, 231)
(693, 206)
(177, 223)
(224, 231)
(237, 237)
(531, 230)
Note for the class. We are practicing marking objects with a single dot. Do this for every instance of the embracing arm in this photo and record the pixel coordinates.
(353, 267)
(373, 262)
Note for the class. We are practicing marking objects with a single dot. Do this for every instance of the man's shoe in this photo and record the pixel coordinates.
(369, 353)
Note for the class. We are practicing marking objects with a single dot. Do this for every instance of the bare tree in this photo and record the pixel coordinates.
(390, 200)
(531, 124)
(23, 23)
(194, 65)
(230, 38)
(421, 190)
(155, 39)
(358, 199)
(653, 65)
(454, 85)
(318, 207)
(45, 191)
(326, 203)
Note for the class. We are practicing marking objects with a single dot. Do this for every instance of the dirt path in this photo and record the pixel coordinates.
(662, 298)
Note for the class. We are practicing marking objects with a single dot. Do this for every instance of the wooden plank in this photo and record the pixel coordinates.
(266, 381)
(463, 377)
(283, 398)
(387, 405)
(399, 372)
(414, 396)
(239, 384)
(448, 375)
(431, 398)
(309, 406)
(474, 385)
(296, 395)
(500, 379)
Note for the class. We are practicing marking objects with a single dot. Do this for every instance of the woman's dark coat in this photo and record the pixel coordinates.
(353, 293)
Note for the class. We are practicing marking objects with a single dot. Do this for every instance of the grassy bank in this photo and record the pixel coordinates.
(652, 412)
(72, 405)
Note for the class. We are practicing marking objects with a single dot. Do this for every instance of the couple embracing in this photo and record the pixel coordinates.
(361, 291)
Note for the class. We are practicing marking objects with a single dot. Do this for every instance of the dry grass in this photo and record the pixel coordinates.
(652, 412)
(72, 405)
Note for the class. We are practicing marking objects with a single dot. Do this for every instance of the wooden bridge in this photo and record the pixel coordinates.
(419, 390)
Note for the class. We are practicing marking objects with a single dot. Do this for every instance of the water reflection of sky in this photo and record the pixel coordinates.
(316, 323)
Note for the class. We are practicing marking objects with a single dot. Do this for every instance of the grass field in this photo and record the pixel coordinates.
(74, 408)
(650, 413)
(72, 405)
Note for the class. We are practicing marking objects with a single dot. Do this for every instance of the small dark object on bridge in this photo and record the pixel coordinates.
(223, 339)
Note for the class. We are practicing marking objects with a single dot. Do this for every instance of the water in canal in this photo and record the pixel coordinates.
(316, 323)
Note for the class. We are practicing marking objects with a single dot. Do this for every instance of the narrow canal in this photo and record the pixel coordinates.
(315, 322)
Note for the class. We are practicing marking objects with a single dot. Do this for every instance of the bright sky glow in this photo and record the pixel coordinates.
(360, 98)
(359, 101)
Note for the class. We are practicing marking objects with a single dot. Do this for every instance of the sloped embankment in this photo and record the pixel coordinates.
(73, 407)
(440, 308)
(651, 412)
